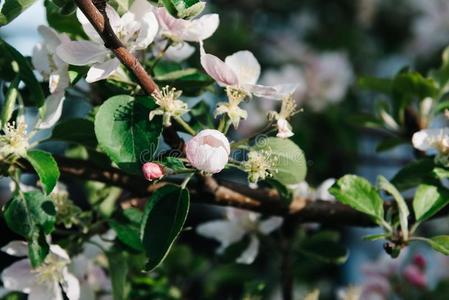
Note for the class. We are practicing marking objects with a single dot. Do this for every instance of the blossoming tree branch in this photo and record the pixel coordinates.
(152, 143)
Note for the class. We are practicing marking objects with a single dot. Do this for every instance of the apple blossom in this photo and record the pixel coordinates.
(436, 139)
(169, 105)
(136, 29)
(238, 224)
(288, 109)
(259, 165)
(415, 276)
(14, 140)
(231, 108)
(43, 282)
(241, 71)
(152, 171)
(208, 151)
(320, 193)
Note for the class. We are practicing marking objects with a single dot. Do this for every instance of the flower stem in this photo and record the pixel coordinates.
(186, 180)
(185, 125)
(222, 124)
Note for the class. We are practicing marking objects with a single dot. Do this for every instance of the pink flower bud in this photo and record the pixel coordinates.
(420, 261)
(152, 171)
(415, 276)
(208, 151)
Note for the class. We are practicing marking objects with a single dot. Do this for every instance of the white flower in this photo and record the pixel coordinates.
(53, 69)
(241, 71)
(288, 109)
(43, 282)
(231, 108)
(208, 151)
(303, 190)
(436, 139)
(238, 224)
(259, 165)
(15, 140)
(169, 105)
(136, 29)
(180, 30)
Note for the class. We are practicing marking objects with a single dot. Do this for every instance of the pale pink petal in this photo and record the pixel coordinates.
(245, 67)
(46, 292)
(52, 110)
(102, 71)
(199, 29)
(249, 255)
(140, 8)
(16, 248)
(40, 59)
(18, 276)
(225, 232)
(217, 69)
(148, 31)
(50, 36)
(284, 129)
(80, 53)
(114, 18)
(59, 252)
(277, 92)
(269, 225)
(87, 27)
(179, 52)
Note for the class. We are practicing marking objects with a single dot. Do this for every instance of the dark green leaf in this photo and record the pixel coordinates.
(414, 174)
(389, 143)
(78, 131)
(25, 72)
(325, 247)
(12, 9)
(173, 163)
(358, 193)
(127, 227)
(381, 85)
(164, 217)
(63, 23)
(125, 133)
(46, 168)
(118, 271)
(202, 117)
(429, 200)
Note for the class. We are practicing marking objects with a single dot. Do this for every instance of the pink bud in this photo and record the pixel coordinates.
(208, 151)
(420, 261)
(152, 171)
(415, 276)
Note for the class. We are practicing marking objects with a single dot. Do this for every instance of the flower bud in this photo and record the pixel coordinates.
(415, 276)
(208, 151)
(152, 171)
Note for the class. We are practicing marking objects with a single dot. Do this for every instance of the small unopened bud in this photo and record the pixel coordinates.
(420, 261)
(415, 276)
(152, 171)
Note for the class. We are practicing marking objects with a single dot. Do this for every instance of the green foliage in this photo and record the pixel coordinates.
(125, 133)
(46, 168)
(429, 200)
(413, 174)
(63, 22)
(32, 215)
(324, 246)
(439, 243)
(289, 160)
(358, 193)
(183, 8)
(173, 163)
(83, 135)
(127, 227)
(163, 219)
(12, 63)
(118, 271)
(10, 102)
(202, 118)
(12, 9)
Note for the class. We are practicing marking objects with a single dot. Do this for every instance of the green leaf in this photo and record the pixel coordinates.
(62, 23)
(414, 174)
(428, 200)
(77, 131)
(374, 237)
(389, 143)
(184, 8)
(118, 271)
(127, 227)
(385, 185)
(25, 72)
(358, 193)
(173, 163)
(164, 217)
(125, 133)
(46, 168)
(202, 117)
(440, 173)
(12, 9)
(32, 217)
(325, 247)
(440, 243)
(381, 85)
(289, 159)
(10, 101)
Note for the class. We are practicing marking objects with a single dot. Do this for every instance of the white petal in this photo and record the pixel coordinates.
(59, 80)
(284, 129)
(80, 53)
(217, 69)
(16, 248)
(140, 8)
(50, 36)
(71, 286)
(40, 59)
(322, 192)
(249, 255)
(225, 232)
(199, 29)
(87, 27)
(114, 18)
(149, 27)
(60, 253)
(427, 139)
(18, 276)
(53, 110)
(271, 224)
(103, 70)
(245, 66)
(46, 292)
(277, 92)
(179, 52)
